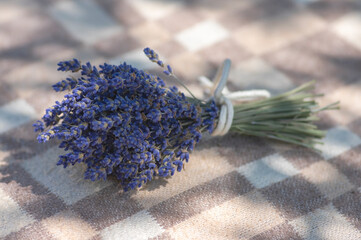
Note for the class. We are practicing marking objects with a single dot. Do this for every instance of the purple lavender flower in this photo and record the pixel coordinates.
(169, 71)
(123, 121)
(71, 65)
(154, 57)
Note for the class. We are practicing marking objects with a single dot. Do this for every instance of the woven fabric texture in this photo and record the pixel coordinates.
(234, 187)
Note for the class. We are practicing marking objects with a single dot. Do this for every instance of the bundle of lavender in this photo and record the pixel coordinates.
(123, 121)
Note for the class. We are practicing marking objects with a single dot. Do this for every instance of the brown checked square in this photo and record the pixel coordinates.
(349, 204)
(33, 231)
(163, 236)
(255, 10)
(116, 45)
(7, 92)
(225, 49)
(21, 143)
(349, 164)
(294, 196)
(122, 11)
(283, 231)
(239, 149)
(324, 57)
(355, 126)
(301, 157)
(30, 195)
(333, 9)
(106, 207)
(200, 198)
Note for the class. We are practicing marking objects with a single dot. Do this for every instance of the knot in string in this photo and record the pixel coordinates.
(222, 96)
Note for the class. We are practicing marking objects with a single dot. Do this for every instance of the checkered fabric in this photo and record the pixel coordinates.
(234, 187)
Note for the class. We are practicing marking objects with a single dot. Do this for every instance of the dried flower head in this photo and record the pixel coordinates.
(123, 121)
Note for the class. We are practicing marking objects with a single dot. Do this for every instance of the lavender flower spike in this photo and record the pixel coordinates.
(122, 121)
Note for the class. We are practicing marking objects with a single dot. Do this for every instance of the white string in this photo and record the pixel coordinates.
(223, 97)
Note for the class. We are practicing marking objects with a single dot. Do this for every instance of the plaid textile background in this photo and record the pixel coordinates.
(234, 187)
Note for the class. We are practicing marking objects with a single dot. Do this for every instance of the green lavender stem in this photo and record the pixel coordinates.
(287, 117)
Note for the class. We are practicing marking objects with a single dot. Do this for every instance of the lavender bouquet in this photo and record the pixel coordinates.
(122, 121)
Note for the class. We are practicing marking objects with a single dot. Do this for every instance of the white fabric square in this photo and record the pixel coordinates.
(12, 218)
(327, 224)
(251, 74)
(14, 114)
(155, 9)
(337, 141)
(137, 227)
(268, 170)
(85, 20)
(67, 183)
(239, 218)
(349, 28)
(202, 35)
(136, 58)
